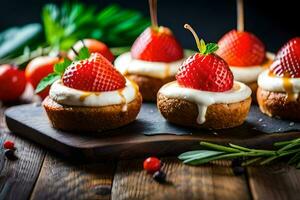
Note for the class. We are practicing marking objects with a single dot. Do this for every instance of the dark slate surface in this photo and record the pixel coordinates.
(256, 121)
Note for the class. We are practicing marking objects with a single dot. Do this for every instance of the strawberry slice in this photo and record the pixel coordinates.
(157, 44)
(95, 74)
(287, 60)
(205, 70)
(241, 48)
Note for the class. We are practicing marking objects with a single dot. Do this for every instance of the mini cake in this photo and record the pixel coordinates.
(205, 95)
(279, 86)
(92, 96)
(245, 55)
(154, 58)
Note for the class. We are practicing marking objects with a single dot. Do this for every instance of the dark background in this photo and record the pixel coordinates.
(273, 21)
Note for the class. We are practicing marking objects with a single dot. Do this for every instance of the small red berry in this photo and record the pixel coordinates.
(9, 144)
(152, 164)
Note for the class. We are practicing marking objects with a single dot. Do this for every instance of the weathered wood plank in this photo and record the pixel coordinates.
(274, 182)
(17, 178)
(184, 182)
(63, 180)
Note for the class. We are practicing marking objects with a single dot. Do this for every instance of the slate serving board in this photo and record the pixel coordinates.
(150, 134)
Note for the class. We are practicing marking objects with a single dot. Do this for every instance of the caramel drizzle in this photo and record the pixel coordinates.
(287, 86)
(123, 100)
(167, 70)
(84, 96)
(267, 62)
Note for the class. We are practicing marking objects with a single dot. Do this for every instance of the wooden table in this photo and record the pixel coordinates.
(40, 174)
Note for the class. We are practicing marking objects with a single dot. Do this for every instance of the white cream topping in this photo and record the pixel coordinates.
(279, 84)
(126, 64)
(73, 97)
(249, 74)
(203, 99)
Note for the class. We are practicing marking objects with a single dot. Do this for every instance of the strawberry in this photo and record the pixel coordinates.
(241, 48)
(205, 70)
(95, 74)
(94, 46)
(287, 60)
(156, 43)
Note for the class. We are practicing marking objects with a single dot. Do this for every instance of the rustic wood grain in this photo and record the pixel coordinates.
(62, 180)
(184, 182)
(17, 178)
(277, 182)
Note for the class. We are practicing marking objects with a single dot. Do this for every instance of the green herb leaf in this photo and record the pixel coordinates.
(83, 54)
(211, 48)
(46, 81)
(288, 150)
(202, 46)
(199, 154)
(60, 68)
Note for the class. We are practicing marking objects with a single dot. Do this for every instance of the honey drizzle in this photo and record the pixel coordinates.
(135, 86)
(84, 96)
(167, 70)
(287, 86)
(267, 62)
(123, 100)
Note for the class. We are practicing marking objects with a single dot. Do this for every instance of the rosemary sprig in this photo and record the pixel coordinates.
(289, 150)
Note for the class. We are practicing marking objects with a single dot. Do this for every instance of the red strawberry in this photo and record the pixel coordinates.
(205, 70)
(95, 74)
(157, 45)
(241, 49)
(287, 61)
(94, 46)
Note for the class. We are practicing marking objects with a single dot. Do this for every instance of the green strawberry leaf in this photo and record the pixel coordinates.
(211, 48)
(46, 81)
(60, 68)
(202, 47)
(83, 54)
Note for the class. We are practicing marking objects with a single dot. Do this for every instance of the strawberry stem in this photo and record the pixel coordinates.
(240, 15)
(188, 27)
(203, 48)
(153, 13)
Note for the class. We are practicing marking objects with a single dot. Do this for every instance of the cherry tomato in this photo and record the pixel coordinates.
(152, 164)
(37, 69)
(8, 144)
(93, 47)
(12, 83)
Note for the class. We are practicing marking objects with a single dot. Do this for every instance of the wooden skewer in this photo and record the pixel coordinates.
(153, 12)
(240, 15)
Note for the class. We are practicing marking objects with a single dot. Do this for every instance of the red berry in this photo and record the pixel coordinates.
(95, 74)
(157, 45)
(152, 164)
(37, 69)
(9, 144)
(205, 72)
(241, 49)
(287, 61)
(12, 83)
(94, 46)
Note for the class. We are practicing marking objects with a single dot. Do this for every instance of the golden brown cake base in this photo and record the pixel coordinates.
(91, 119)
(253, 86)
(149, 86)
(218, 116)
(276, 104)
